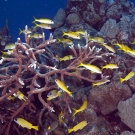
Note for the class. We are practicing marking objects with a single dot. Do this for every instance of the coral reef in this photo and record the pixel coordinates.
(88, 53)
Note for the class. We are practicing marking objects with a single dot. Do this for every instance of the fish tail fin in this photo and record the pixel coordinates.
(75, 112)
(93, 84)
(34, 20)
(70, 94)
(63, 33)
(102, 67)
(36, 25)
(61, 59)
(80, 64)
(20, 31)
(70, 130)
(59, 93)
(121, 80)
(58, 40)
(35, 127)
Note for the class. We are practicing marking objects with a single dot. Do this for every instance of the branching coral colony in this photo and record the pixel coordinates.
(30, 74)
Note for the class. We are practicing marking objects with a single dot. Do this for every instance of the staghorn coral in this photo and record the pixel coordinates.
(33, 71)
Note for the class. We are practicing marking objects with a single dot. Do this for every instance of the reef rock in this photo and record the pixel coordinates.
(110, 29)
(127, 133)
(127, 112)
(73, 19)
(59, 19)
(106, 98)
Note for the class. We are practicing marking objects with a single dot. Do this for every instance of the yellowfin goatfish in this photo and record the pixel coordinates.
(11, 98)
(37, 36)
(27, 31)
(25, 124)
(82, 108)
(63, 87)
(43, 20)
(131, 53)
(97, 39)
(124, 48)
(45, 26)
(72, 35)
(110, 66)
(9, 46)
(100, 83)
(53, 94)
(79, 126)
(64, 41)
(68, 57)
(129, 76)
(20, 95)
(90, 67)
(109, 48)
(81, 32)
(6, 54)
(61, 116)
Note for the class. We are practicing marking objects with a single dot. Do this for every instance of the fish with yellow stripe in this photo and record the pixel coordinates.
(61, 85)
(25, 124)
(91, 67)
(43, 20)
(67, 57)
(129, 76)
(79, 126)
(82, 108)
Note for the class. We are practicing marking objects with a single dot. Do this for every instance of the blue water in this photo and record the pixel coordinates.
(21, 12)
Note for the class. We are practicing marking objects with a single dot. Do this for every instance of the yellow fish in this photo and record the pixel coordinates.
(90, 67)
(6, 54)
(9, 46)
(61, 116)
(11, 98)
(109, 48)
(63, 87)
(124, 48)
(53, 94)
(68, 57)
(65, 41)
(37, 36)
(43, 25)
(82, 108)
(129, 76)
(80, 32)
(110, 66)
(72, 35)
(43, 20)
(100, 83)
(79, 126)
(97, 39)
(20, 95)
(131, 53)
(25, 124)
(27, 31)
